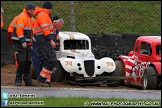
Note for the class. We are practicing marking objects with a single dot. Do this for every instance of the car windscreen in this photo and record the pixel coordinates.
(76, 44)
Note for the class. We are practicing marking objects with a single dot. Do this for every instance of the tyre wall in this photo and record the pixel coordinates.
(113, 44)
(7, 54)
(103, 45)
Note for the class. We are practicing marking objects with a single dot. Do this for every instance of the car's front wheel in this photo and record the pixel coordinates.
(58, 73)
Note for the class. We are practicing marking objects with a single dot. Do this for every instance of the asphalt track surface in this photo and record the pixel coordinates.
(83, 92)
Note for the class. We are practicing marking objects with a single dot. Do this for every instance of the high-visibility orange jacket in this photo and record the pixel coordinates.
(23, 28)
(2, 22)
(43, 24)
(33, 20)
(10, 29)
(12, 24)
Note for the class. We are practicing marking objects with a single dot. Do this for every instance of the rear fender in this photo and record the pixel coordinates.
(130, 53)
(123, 58)
(157, 65)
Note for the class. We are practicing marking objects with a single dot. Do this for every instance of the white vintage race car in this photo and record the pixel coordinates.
(77, 64)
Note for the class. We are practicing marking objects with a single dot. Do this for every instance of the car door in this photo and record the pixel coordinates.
(144, 56)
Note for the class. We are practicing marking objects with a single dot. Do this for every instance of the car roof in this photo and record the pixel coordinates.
(76, 35)
(154, 39)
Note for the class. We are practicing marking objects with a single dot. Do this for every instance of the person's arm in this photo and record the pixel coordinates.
(21, 23)
(10, 30)
(2, 22)
(44, 22)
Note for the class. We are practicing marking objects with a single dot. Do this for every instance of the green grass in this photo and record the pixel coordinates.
(139, 17)
(80, 101)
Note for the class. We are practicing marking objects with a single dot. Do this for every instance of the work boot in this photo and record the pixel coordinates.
(42, 81)
(49, 83)
(18, 82)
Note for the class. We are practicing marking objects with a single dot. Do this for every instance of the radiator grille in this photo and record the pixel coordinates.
(89, 67)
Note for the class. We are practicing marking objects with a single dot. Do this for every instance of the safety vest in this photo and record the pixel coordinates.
(39, 29)
(27, 32)
(2, 22)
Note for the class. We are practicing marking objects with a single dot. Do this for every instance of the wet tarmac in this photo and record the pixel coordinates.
(83, 92)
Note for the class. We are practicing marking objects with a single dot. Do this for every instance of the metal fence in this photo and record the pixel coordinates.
(142, 17)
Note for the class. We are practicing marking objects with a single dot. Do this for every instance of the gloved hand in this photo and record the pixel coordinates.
(57, 43)
(9, 38)
(24, 45)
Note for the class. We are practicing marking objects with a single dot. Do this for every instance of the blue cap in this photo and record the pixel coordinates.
(30, 6)
(47, 5)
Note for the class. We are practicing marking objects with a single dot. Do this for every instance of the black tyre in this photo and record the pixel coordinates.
(58, 73)
(32, 72)
(150, 82)
(114, 83)
(114, 35)
(120, 69)
(132, 35)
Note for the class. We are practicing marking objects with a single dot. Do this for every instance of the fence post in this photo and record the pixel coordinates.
(72, 16)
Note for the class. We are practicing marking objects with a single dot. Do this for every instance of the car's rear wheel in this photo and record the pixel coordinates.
(116, 72)
(150, 82)
(58, 73)
(120, 68)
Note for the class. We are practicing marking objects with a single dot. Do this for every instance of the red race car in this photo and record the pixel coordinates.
(142, 66)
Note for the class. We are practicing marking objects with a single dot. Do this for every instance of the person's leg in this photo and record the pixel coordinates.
(35, 59)
(20, 69)
(49, 63)
(48, 80)
(42, 49)
(27, 76)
